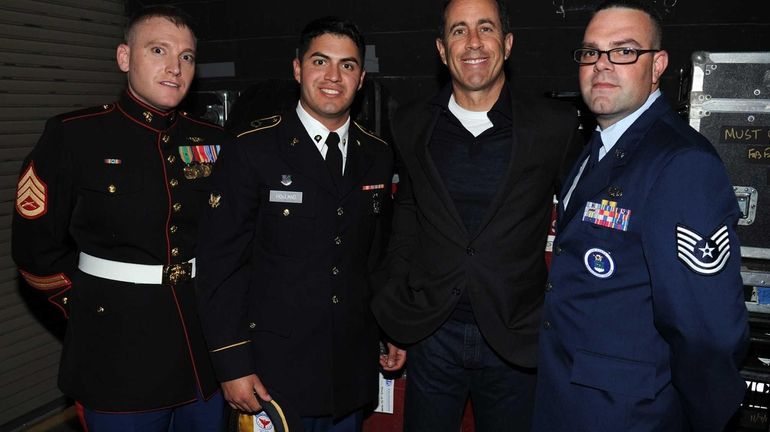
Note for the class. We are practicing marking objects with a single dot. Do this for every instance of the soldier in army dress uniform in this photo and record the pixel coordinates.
(106, 227)
(286, 278)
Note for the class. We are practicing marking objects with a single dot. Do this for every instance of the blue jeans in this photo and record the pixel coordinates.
(351, 423)
(455, 363)
(198, 416)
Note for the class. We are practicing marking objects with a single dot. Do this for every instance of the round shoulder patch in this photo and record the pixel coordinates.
(599, 263)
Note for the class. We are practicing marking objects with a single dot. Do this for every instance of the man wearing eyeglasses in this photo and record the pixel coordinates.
(644, 323)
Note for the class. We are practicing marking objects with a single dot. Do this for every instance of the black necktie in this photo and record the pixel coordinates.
(334, 156)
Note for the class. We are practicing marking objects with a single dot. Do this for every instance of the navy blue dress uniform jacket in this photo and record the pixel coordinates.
(286, 278)
(108, 181)
(644, 323)
(432, 256)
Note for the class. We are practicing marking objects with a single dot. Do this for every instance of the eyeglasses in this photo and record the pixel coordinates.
(589, 56)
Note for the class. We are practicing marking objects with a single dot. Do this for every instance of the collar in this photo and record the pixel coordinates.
(502, 106)
(612, 134)
(144, 114)
(318, 132)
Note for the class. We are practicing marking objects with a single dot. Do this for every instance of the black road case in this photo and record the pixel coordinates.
(730, 105)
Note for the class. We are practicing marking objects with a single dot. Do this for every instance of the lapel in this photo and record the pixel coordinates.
(358, 161)
(422, 139)
(521, 146)
(611, 166)
(560, 210)
(299, 152)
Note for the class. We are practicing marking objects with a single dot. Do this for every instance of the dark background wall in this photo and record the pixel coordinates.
(260, 38)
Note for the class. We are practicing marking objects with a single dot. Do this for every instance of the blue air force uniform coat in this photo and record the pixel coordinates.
(285, 280)
(645, 325)
(110, 181)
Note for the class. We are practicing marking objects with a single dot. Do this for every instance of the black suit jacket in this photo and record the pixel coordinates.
(284, 278)
(432, 258)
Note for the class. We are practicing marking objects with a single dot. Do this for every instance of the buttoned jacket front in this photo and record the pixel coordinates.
(644, 325)
(285, 285)
(110, 182)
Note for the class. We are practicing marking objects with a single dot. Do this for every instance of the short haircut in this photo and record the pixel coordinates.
(657, 21)
(177, 16)
(330, 25)
(502, 13)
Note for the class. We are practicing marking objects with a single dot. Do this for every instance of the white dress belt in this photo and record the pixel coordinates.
(127, 272)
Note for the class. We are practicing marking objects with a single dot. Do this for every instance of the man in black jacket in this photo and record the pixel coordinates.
(480, 165)
(285, 279)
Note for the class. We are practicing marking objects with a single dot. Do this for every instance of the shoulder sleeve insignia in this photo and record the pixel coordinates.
(704, 256)
(31, 198)
(260, 124)
(369, 133)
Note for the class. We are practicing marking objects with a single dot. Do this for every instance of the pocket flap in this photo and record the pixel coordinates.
(614, 374)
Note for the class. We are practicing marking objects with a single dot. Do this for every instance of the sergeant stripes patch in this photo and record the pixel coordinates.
(714, 251)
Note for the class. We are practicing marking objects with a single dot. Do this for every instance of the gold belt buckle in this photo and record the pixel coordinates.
(177, 273)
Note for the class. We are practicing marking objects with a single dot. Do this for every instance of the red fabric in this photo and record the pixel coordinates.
(81, 415)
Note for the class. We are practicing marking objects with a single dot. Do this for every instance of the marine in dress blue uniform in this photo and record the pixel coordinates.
(106, 226)
(644, 325)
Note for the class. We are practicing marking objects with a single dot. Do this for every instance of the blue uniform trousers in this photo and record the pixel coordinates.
(198, 416)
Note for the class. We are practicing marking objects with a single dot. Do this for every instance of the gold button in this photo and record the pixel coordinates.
(173, 182)
(171, 158)
(64, 300)
(335, 299)
(100, 310)
(173, 229)
(340, 211)
(214, 200)
(165, 138)
(111, 188)
(177, 207)
(286, 212)
(175, 251)
(252, 325)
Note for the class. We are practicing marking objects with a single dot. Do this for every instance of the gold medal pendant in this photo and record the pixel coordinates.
(205, 169)
(191, 172)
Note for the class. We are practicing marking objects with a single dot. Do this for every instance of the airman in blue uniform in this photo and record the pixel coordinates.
(644, 323)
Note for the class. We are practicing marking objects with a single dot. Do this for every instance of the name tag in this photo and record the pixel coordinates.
(286, 196)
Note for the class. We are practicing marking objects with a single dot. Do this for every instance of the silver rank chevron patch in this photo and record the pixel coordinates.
(706, 257)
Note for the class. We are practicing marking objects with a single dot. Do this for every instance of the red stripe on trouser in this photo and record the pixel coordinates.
(81, 415)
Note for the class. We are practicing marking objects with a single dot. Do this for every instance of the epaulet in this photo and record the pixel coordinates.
(87, 112)
(260, 124)
(370, 133)
(201, 122)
